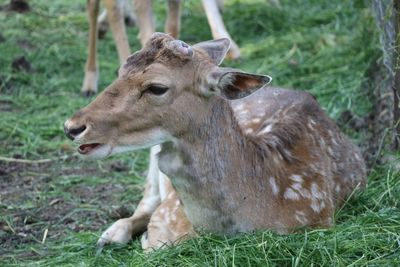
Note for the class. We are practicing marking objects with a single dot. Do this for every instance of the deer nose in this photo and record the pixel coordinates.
(73, 132)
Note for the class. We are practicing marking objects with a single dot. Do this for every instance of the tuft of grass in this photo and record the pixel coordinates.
(325, 47)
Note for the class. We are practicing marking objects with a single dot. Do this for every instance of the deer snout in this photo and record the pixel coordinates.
(72, 131)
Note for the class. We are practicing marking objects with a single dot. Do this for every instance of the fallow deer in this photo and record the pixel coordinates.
(117, 10)
(240, 156)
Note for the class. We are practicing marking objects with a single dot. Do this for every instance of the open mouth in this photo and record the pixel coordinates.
(87, 148)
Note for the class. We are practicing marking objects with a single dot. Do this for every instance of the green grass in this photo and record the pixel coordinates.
(326, 47)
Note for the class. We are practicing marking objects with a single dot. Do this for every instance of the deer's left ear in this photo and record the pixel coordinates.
(234, 84)
(215, 49)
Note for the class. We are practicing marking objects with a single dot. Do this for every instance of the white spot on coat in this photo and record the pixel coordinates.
(337, 188)
(317, 206)
(239, 107)
(248, 131)
(274, 186)
(266, 129)
(301, 217)
(290, 194)
(297, 186)
(296, 178)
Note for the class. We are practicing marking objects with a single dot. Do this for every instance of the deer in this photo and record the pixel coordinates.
(233, 155)
(119, 11)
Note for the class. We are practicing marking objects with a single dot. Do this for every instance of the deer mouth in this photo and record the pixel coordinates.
(87, 148)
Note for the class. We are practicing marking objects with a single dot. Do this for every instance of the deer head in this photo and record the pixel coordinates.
(159, 93)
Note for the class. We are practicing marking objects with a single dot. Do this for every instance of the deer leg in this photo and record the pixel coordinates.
(117, 25)
(144, 18)
(168, 224)
(129, 18)
(173, 23)
(124, 229)
(220, 4)
(91, 71)
(217, 26)
(129, 15)
(102, 24)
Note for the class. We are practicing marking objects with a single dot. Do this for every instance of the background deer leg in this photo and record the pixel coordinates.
(123, 230)
(217, 26)
(129, 17)
(144, 18)
(168, 224)
(117, 25)
(102, 24)
(173, 23)
(89, 86)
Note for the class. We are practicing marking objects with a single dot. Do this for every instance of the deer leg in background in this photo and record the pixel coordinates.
(102, 24)
(173, 23)
(220, 4)
(218, 28)
(144, 18)
(89, 86)
(129, 18)
(123, 229)
(117, 25)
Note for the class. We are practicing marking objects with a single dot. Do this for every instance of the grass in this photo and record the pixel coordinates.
(326, 47)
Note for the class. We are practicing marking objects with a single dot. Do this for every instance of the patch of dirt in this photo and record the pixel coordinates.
(31, 202)
(21, 64)
(19, 6)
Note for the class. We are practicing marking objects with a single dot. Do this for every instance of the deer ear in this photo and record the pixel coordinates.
(235, 85)
(215, 49)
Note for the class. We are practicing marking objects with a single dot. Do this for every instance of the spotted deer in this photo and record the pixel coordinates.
(119, 10)
(240, 155)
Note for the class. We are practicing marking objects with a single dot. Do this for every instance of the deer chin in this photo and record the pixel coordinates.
(87, 148)
(103, 150)
(95, 150)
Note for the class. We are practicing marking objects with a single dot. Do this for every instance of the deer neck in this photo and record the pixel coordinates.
(210, 167)
(213, 134)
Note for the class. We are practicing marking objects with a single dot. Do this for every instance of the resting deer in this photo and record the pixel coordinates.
(117, 10)
(241, 156)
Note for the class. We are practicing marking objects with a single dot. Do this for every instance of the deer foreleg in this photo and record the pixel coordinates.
(123, 230)
(168, 224)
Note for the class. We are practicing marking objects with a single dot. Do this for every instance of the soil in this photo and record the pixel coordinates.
(19, 6)
(21, 64)
(31, 205)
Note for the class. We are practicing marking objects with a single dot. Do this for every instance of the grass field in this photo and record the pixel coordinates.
(329, 48)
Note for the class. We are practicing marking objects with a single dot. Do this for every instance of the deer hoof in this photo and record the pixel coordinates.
(120, 232)
(89, 86)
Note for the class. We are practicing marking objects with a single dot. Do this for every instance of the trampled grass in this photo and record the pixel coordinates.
(326, 47)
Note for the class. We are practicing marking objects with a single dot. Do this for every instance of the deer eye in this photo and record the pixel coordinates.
(156, 89)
